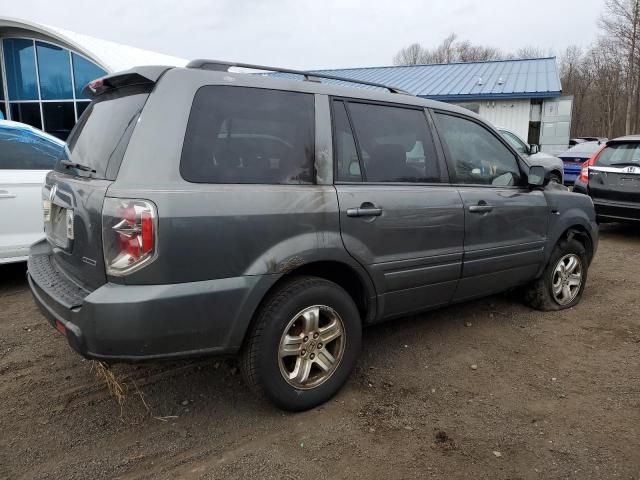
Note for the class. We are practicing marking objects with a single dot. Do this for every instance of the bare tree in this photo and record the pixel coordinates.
(604, 79)
(621, 22)
(531, 51)
(466, 52)
(448, 51)
(414, 54)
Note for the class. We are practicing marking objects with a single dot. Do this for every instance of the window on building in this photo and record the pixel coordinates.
(52, 103)
(81, 107)
(83, 72)
(395, 144)
(478, 156)
(54, 71)
(28, 113)
(1, 84)
(59, 118)
(249, 135)
(20, 69)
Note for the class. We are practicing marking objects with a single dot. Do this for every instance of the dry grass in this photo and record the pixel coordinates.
(117, 387)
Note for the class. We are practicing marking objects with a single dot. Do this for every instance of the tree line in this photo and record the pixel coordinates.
(603, 78)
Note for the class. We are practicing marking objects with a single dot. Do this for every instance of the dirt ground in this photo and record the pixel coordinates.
(553, 395)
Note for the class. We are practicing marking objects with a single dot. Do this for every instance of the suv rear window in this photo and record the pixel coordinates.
(620, 154)
(249, 135)
(102, 133)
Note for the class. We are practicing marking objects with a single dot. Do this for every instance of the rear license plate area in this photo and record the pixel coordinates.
(60, 229)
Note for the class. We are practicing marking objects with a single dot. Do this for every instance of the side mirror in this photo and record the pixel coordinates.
(538, 176)
(533, 149)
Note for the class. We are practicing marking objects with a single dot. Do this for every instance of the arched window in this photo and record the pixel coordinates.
(44, 83)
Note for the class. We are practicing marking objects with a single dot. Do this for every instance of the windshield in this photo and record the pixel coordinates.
(101, 136)
(620, 154)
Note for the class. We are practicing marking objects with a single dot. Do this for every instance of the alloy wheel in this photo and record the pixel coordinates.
(311, 347)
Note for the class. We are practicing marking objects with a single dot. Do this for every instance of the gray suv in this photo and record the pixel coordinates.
(197, 212)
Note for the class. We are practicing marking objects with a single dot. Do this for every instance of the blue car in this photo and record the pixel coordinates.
(573, 159)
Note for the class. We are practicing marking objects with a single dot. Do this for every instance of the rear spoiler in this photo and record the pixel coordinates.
(136, 76)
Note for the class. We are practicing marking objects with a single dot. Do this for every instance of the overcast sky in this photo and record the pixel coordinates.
(316, 33)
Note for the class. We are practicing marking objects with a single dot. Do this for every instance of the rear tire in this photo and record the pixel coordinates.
(285, 358)
(564, 278)
(555, 178)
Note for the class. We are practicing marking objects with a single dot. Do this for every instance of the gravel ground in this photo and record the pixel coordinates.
(550, 395)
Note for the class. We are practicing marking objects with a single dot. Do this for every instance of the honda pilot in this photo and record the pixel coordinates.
(197, 211)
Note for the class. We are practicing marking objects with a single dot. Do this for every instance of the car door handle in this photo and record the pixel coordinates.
(480, 208)
(5, 194)
(364, 212)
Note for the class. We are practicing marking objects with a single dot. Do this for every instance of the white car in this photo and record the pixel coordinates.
(532, 152)
(26, 156)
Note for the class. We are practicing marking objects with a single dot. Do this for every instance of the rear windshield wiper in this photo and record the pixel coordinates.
(78, 166)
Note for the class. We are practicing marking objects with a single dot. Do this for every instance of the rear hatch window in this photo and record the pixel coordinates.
(97, 143)
(620, 155)
(93, 154)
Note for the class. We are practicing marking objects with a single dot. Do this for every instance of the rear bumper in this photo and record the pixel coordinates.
(143, 322)
(617, 212)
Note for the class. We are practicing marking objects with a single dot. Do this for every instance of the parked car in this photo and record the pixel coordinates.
(26, 155)
(575, 157)
(594, 139)
(612, 179)
(534, 155)
(171, 237)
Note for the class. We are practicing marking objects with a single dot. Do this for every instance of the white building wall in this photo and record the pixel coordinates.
(511, 114)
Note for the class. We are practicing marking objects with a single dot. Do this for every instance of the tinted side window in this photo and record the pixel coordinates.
(346, 155)
(395, 144)
(249, 135)
(25, 151)
(478, 156)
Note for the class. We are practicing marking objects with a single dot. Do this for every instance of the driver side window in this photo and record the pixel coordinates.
(478, 156)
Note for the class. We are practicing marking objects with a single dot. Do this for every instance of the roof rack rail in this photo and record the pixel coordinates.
(222, 66)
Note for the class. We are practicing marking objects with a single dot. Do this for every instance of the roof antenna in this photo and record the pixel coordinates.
(480, 81)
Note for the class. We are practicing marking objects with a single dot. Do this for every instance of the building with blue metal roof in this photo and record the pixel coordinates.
(522, 95)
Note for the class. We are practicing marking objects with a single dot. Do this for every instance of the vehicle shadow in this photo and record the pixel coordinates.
(213, 388)
(13, 276)
(620, 230)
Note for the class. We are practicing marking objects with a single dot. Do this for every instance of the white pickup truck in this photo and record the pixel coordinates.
(26, 156)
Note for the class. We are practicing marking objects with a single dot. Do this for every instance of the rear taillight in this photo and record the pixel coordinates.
(584, 172)
(129, 234)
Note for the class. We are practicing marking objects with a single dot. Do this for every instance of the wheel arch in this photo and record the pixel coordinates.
(353, 279)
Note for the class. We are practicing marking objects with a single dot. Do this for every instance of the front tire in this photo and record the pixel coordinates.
(304, 343)
(563, 281)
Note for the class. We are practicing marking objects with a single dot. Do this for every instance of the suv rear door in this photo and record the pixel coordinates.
(76, 188)
(397, 217)
(614, 180)
(505, 221)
